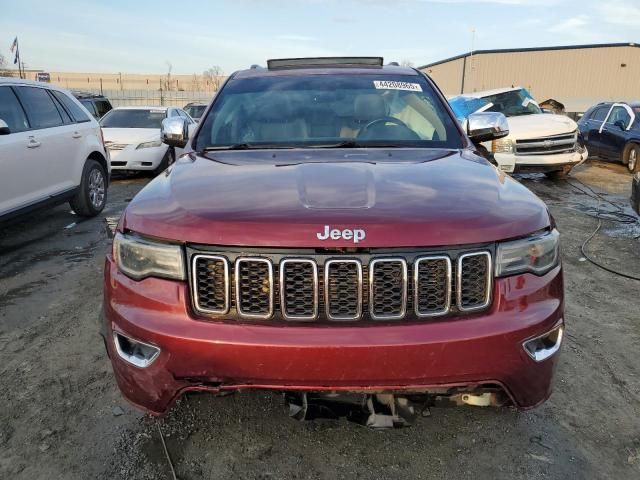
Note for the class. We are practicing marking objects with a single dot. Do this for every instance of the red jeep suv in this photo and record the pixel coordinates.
(332, 233)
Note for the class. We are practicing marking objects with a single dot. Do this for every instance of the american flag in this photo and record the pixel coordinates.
(14, 45)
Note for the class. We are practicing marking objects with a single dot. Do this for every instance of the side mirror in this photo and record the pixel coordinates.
(174, 132)
(485, 126)
(4, 128)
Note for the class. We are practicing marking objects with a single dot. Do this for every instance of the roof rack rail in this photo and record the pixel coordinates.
(324, 62)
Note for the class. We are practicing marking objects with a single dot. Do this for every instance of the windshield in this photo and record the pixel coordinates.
(195, 111)
(133, 118)
(464, 106)
(513, 104)
(328, 111)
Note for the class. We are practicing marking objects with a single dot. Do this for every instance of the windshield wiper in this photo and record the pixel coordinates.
(246, 146)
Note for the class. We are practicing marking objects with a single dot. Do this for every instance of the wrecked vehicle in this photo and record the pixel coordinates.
(332, 234)
(537, 142)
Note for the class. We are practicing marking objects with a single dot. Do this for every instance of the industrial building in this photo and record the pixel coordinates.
(577, 76)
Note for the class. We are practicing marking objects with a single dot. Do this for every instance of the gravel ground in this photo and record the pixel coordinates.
(62, 416)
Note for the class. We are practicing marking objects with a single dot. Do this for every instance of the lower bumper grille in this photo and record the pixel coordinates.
(340, 288)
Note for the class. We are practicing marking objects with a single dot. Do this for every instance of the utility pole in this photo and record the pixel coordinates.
(472, 69)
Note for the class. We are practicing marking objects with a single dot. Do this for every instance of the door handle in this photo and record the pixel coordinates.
(33, 143)
(76, 135)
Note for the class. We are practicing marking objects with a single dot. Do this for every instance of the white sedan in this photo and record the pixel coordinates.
(132, 136)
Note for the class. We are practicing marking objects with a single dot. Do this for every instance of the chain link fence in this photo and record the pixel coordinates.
(128, 98)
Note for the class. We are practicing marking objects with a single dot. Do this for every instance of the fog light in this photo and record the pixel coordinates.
(135, 352)
(544, 346)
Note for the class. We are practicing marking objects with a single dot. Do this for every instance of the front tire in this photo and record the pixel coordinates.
(168, 159)
(633, 159)
(92, 195)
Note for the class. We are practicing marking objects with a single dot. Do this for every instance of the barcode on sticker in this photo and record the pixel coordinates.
(392, 85)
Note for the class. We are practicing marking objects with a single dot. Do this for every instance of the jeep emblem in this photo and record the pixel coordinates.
(347, 234)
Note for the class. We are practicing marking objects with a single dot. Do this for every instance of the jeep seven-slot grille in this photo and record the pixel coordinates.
(336, 288)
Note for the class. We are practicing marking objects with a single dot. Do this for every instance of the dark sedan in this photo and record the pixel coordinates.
(612, 131)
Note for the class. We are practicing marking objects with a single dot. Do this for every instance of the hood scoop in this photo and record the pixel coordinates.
(348, 186)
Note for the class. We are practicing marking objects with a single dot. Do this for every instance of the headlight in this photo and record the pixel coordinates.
(536, 254)
(155, 143)
(139, 258)
(502, 145)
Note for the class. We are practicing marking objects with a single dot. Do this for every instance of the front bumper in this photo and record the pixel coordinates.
(510, 163)
(196, 354)
(131, 158)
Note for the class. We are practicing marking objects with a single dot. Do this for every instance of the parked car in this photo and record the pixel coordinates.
(97, 105)
(537, 142)
(51, 151)
(332, 231)
(612, 131)
(132, 135)
(195, 109)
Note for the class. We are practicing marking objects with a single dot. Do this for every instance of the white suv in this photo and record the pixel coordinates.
(51, 151)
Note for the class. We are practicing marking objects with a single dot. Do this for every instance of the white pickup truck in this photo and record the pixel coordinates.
(537, 141)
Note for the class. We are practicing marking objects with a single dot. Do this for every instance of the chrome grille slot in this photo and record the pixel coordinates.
(343, 289)
(210, 284)
(299, 289)
(432, 286)
(254, 287)
(474, 281)
(388, 288)
(547, 145)
(313, 285)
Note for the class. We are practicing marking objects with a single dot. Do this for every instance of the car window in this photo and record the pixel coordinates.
(319, 110)
(133, 118)
(513, 103)
(88, 104)
(103, 107)
(599, 114)
(41, 110)
(195, 111)
(72, 107)
(66, 118)
(619, 114)
(11, 111)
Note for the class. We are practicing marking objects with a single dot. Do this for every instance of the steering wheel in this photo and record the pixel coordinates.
(394, 120)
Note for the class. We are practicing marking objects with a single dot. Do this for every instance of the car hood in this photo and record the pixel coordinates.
(283, 198)
(539, 125)
(130, 135)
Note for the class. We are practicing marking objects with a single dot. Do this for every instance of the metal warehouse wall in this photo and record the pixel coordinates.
(576, 77)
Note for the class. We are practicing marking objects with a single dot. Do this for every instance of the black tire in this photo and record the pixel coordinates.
(633, 159)
(168, 159)
(558, 174)
(92, 195)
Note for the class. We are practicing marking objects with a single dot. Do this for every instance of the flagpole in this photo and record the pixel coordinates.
(19, 62)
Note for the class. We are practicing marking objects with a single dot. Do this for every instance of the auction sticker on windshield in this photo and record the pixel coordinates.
(391, 85)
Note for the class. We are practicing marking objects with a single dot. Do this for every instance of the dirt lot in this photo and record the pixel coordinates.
(61, 415)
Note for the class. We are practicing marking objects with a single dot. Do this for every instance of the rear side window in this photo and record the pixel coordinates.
(11, 111)
(599, 114)
(41, 110)
(72, 107)
(102, 106)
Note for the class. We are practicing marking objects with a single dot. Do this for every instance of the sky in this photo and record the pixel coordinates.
(193, 35)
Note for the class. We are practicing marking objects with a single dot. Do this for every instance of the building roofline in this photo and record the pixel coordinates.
(530, 49)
